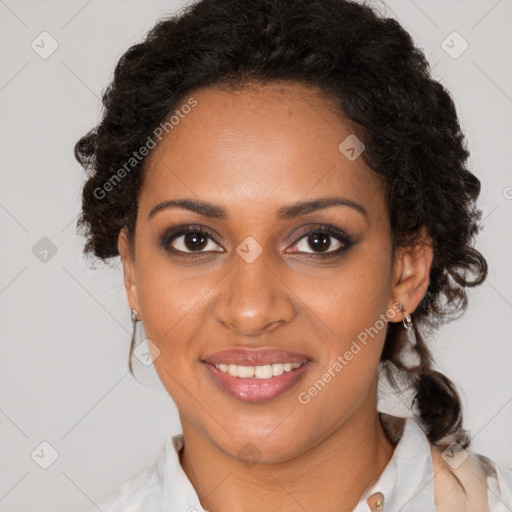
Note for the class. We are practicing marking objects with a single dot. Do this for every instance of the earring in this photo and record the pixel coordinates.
(407, 321)
(135, 319)
(140, 365)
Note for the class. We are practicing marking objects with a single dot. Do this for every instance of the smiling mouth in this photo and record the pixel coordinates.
(256, 384)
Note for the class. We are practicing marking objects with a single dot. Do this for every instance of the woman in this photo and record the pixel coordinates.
(285, 184)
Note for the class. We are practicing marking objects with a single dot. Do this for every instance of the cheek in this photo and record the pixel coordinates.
(170, 305)
(170, 311)
(168, 294)
(350, 298)
(349, 310)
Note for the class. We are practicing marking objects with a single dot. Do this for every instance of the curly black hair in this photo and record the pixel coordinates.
(369, 66)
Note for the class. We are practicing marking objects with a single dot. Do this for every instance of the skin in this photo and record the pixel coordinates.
(251, 152)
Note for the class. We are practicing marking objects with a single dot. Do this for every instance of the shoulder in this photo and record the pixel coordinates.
(144, 490)
(500, 485)
(469, 482)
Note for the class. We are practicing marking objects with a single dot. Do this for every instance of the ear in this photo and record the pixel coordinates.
(128, 261)
(411, 271)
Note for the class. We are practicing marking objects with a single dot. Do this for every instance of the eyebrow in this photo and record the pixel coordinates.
(283, 213)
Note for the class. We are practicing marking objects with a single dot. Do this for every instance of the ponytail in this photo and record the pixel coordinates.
(436, 404)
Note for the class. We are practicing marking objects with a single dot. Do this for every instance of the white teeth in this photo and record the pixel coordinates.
(262, 372)
(277, 369)
(266, 371)
(245, 371)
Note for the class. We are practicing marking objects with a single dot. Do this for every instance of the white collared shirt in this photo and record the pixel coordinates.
(405, 485)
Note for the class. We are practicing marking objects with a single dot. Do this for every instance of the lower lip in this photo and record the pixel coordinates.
(256, 390)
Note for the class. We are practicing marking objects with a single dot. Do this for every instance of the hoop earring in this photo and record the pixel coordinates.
(407, 321)
(140, 360)
(135, 319)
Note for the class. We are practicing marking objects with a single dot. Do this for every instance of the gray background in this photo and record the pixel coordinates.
(65, 327)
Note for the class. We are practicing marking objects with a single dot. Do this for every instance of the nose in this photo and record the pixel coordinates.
(253, 298)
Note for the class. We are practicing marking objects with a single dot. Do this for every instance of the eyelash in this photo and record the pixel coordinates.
(323, 229)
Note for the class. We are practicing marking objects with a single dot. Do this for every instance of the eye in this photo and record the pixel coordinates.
(320, 240)
(187, 240)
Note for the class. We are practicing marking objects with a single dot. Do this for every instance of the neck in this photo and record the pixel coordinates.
(332, 476)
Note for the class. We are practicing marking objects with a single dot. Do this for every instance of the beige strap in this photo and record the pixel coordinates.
(448, 495)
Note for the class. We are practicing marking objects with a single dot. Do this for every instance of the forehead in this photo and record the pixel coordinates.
(257, 147)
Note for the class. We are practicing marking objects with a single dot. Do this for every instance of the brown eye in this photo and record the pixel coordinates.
(323, 242)
(189, 240)
(320, 242)
(195, 241)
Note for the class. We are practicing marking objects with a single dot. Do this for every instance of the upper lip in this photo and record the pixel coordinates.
(246, 357)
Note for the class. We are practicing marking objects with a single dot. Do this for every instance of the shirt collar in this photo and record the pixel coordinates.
(180, 494)
(406, 484)
(407, 481)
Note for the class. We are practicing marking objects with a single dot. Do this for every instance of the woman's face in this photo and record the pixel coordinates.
(251, 165)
